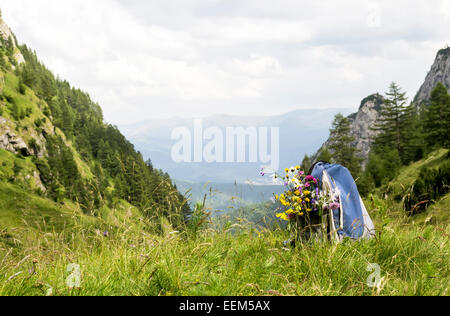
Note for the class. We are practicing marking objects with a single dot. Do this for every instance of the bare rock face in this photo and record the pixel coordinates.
(440, 72)
(5, 32)
(11, 142)
(363, 121)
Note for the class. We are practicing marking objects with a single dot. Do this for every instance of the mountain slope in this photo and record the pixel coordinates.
(53, 141)
(440, 72)
(369, 111)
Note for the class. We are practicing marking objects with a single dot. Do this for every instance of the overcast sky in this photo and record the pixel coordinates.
(153, 59)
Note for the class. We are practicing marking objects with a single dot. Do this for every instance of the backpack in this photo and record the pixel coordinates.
(351, 219)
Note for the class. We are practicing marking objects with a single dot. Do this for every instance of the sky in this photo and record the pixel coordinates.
(162, 58)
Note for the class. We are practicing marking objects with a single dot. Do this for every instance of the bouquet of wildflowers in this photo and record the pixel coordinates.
(303, 198)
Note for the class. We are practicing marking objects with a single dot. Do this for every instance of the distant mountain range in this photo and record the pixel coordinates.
(301, 132)
(226, 196)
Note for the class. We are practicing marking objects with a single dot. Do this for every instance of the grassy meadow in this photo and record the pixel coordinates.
(127, 255)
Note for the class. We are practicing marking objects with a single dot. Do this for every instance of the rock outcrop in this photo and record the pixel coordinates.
(11, 142)
(440, 72)
(369, 111)
(5, 33)
(361, 123)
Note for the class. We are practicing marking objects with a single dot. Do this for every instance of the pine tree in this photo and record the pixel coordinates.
(343, 151)
(10, 47)
(324, 155)
(411, 135)
(391, 123)
(437, 118)
(306, 163)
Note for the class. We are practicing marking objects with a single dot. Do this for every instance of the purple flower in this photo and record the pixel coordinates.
(334, 206)
(290, 216)
(310, 178)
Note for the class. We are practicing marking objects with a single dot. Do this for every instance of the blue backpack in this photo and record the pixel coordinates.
(352, 219)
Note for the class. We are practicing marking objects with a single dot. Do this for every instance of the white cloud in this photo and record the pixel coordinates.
(257, 66)
(149, 59)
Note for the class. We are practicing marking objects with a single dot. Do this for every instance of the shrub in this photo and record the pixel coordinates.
(429, 187)
(21, 88)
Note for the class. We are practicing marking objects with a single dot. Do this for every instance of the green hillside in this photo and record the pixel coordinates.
(121, 252)
(396, 190)
(54, 142)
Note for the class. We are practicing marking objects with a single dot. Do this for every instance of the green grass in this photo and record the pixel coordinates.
(19, 208)
(39, 239)
(21, 170)
(397, 189)
(409, 174)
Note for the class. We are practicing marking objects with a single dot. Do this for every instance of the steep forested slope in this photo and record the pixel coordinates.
(53, 141)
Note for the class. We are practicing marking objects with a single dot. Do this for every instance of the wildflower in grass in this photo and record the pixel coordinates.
(302, 197)
(283, 216)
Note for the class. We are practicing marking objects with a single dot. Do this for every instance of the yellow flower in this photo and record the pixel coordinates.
(307, 200)
(306, 192)
(277, 197)
(282, 216)
(297, 167)
(309, 210)
(287, 170)
(297, 192)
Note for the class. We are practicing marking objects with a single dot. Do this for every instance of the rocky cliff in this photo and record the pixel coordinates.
(363, 120)
(361, 123)
(369, 111)
(6, 33)
(440, 72)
